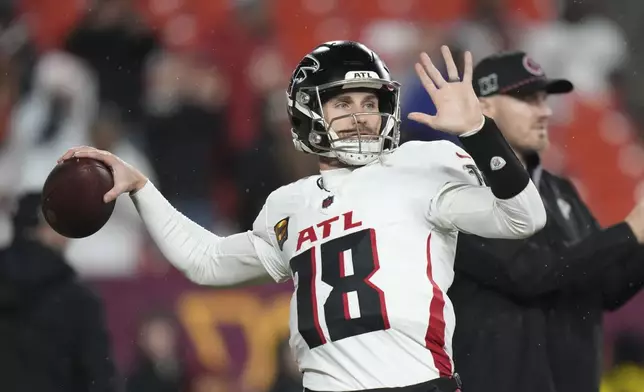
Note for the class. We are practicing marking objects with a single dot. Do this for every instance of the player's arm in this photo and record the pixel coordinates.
(621, 282)
(532, 267)
(204, 257)
(610, 261)
(510, 207)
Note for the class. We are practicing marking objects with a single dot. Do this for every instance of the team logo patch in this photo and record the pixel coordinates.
(281, 232)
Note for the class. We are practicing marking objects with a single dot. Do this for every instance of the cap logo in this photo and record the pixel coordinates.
(532, 66)
(488, 84)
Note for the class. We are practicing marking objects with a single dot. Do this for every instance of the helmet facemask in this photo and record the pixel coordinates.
(355, 146)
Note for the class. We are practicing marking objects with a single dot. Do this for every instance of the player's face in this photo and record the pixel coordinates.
(349, 103)
(523, 120)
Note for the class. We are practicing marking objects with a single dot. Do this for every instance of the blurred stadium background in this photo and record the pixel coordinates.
(191, 92)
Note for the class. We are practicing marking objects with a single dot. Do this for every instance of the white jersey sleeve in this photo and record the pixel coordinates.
(266, 232)
(204, 257)
(466, 204)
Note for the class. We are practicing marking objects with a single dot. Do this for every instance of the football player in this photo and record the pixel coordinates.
(370, 242)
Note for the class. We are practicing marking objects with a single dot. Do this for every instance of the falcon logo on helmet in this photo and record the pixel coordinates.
(309, 64)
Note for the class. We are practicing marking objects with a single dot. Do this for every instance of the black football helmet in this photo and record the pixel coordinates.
(330, 69)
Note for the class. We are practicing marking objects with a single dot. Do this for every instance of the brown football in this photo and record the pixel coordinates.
(72, 197)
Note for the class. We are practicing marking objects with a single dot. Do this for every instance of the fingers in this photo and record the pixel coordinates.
(430, 87)
(70, 153)
(452, 71)
(431, 76)
(103, 156)
(468, 67)
(431, 71)
(119, 169)
(114, 193)
(422, 118)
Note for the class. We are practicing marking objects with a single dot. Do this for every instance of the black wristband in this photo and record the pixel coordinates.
(501, 168)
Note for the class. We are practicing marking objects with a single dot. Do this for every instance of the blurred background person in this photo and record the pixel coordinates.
(530, 310)
(115, 44)
(52, 329)
(184, 128)
(56, 110)
(158, 366)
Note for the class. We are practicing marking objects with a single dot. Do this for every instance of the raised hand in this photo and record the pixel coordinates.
(458, 108)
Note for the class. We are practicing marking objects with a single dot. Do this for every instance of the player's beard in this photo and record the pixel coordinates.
(361, 133)
(357, 144)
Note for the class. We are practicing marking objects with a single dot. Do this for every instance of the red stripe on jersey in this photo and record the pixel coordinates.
(376, 264)
(435, 336)
(463, 156)
(314, 300)
(345, 296)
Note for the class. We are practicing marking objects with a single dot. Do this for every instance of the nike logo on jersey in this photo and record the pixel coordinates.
(325, 228)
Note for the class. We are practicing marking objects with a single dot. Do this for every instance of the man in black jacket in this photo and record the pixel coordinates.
(52, 333)
(529, 312)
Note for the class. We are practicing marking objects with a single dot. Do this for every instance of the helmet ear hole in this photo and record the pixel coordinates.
(319, 136)
(294, 118)
(295, 121)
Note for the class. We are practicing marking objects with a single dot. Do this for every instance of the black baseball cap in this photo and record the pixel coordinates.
(28, 213)
(514, 73)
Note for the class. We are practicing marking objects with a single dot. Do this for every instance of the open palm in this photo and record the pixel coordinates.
(458, 108)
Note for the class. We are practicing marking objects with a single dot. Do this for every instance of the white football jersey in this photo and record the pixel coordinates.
(371, 256)
(371, 252)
